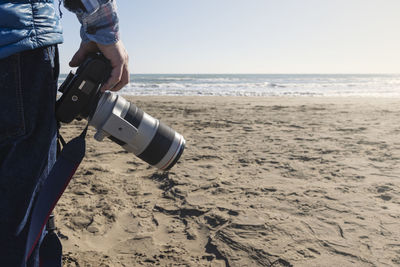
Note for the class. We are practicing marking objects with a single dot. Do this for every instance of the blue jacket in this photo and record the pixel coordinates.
(27, 24)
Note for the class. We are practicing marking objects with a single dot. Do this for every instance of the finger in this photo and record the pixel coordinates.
(114, 79)
(124, 80)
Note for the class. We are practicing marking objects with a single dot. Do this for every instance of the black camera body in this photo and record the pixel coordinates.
(115, 117)
(81, 91)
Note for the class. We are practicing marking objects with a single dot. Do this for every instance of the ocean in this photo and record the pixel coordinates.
(338, 85)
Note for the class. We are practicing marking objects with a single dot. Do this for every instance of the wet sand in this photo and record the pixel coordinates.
(262, 182)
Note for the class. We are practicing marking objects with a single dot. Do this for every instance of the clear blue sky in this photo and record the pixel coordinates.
(254, 36)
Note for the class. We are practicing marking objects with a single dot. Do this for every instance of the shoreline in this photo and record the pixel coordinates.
(317, 98)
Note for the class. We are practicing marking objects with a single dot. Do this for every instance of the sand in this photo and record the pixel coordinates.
(262, 182)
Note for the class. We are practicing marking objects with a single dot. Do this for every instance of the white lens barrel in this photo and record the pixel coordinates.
(146, 131)
(136, 131)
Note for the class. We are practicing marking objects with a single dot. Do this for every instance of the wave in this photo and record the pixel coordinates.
(264, 85)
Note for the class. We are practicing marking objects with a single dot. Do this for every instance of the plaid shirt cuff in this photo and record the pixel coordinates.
(99, 21)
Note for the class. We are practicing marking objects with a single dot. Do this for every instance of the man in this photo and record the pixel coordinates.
(29, 34)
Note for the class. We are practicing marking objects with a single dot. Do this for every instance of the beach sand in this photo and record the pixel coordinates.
(262, 182)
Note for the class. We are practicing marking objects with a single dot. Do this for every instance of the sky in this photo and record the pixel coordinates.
(253, 36)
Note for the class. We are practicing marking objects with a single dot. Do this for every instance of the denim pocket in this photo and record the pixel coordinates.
(11, 100)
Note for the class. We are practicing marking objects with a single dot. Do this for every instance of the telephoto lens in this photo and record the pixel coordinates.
(115, 117)
(136, 131)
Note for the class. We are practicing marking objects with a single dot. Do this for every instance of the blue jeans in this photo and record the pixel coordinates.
(28, 84)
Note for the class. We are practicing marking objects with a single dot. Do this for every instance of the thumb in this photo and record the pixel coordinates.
(78, 58)
(82, 52)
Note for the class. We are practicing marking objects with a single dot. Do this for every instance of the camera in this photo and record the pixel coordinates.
(115, 117)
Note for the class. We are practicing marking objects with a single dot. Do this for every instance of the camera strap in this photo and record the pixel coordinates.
(53, 187)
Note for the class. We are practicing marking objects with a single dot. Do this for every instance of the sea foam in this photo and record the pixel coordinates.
(375, 85)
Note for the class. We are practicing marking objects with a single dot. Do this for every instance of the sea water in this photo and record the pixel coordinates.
(339, 85)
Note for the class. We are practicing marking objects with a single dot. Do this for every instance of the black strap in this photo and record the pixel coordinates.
(52, 189)
(50, 253)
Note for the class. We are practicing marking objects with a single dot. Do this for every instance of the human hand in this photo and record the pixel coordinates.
(118, 57)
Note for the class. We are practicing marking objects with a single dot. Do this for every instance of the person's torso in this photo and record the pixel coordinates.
(27, 25)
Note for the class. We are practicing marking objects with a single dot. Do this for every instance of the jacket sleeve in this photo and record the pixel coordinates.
(98, 18)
